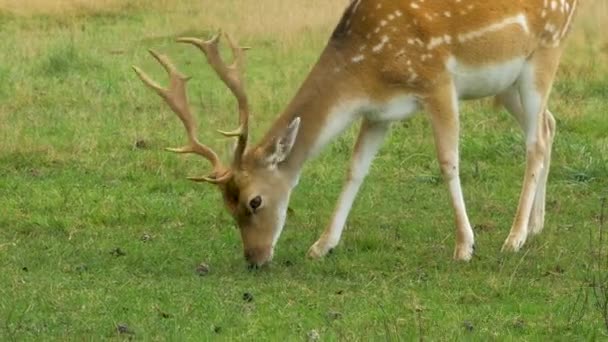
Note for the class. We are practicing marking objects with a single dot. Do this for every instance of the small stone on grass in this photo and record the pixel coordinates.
(202, 269)
(468, 326)
(122, 328)
(313, 335)
(145, 237)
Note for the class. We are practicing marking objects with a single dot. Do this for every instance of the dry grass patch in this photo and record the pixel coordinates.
(26, 8)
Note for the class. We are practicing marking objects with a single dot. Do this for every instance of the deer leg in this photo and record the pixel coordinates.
(537, 218)
(443, 111)
(512, 102)
(539, 128)
(368, 143)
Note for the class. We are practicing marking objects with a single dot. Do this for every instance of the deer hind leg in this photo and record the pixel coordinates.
(537, 218)
(442, 108)
(368, 143)
(538, 124)
(511, 100)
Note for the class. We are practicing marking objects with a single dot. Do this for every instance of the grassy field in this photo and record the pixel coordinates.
(100, 233)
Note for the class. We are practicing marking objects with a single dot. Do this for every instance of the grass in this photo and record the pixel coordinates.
(74, 188)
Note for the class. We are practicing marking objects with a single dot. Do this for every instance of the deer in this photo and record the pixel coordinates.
(385, 62)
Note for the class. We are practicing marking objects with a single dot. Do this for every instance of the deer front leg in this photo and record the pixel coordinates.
(371, 136)
(442, 108)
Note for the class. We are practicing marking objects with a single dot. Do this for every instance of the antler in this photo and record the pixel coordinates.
(177, 99)
(232, 76)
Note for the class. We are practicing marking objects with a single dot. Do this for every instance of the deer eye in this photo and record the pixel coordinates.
(255, 203)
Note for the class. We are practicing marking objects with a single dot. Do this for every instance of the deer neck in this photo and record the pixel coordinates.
(328, 101)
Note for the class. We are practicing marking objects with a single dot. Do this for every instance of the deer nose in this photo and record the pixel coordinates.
(258, 256)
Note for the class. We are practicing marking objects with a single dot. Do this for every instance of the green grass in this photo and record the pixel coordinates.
(73, 188)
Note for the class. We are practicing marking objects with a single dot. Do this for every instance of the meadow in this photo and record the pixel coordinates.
(101, 234)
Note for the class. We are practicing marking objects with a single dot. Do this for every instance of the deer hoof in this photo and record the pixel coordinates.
(464, 252)
(514, 243)
(318, 250)
(536, 224)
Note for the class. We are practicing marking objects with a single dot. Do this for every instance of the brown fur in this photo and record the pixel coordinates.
(381, 49)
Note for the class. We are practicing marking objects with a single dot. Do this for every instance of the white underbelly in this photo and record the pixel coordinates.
(475, 82)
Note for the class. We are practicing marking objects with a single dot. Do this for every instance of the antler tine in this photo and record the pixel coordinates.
(176, 97)
(231, 75)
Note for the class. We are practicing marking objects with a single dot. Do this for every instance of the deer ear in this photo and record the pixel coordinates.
(281, 146)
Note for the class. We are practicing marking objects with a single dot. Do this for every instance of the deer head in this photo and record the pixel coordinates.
(255, 191)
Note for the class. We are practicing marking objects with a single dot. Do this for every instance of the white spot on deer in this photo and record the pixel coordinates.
(553, 5)
(543, 14)
(435, 42)
(378, 6)
(398, 13)
(380, 46)
(383, 23)
(413, 76)
(358, 58)
(447, 14)
(414, 5)
(377, 29)
(400, 53)
(391, 17)
(519, 19)
(410, 41)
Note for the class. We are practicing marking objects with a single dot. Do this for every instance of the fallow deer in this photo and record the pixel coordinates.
(385, 61)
